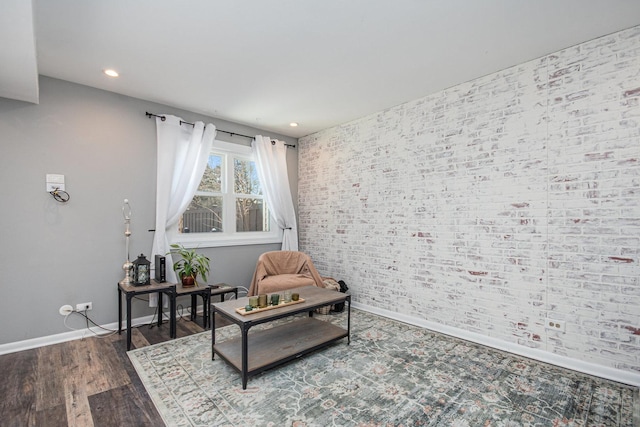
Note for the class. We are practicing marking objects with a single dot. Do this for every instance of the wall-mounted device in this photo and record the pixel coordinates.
(55, 182)
(161, 268)
(55, 187)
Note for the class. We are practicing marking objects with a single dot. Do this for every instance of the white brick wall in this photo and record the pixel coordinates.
(494, 204)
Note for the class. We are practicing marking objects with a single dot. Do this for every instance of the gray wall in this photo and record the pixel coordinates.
(54, 254)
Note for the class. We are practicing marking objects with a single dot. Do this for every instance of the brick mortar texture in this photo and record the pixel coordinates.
(494, 204)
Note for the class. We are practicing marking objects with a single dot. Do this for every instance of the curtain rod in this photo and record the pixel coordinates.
(163, 118)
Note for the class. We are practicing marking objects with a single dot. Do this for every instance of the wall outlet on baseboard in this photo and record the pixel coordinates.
(556, 325)
(84, 306)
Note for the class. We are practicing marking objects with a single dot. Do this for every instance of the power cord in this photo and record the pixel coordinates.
(179, 308)
(60, 195)
(155, 314)
(88, 320)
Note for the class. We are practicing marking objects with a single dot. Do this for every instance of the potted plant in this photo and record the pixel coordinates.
(190, 266)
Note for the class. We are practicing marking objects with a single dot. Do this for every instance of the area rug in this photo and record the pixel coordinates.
(392, 374)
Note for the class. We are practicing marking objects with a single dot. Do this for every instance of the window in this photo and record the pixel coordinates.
(229, 207)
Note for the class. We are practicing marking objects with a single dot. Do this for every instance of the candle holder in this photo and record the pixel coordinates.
(262, 300)
(275, 299)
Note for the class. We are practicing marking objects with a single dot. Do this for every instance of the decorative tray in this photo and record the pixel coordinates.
(243, 312)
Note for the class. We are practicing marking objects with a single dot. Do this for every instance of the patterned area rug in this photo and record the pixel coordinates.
(392, 374)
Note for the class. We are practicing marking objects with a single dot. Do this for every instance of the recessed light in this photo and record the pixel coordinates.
(111, 73)
(293, 124)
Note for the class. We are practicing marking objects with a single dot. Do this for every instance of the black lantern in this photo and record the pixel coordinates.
(141, 271)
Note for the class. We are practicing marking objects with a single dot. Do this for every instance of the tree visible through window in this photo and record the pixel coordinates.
(229, 193)
(250, 212)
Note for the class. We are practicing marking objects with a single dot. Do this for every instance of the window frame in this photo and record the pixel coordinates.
(229, 238)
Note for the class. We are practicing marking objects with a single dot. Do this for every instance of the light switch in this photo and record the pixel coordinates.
(55, 181)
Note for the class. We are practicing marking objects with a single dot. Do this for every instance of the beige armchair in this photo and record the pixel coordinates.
(281, 270)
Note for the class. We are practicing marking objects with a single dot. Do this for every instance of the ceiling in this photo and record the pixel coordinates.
(268, 63)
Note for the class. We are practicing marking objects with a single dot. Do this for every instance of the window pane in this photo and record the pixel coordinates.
(204, 215)
(251, 215)
(212, 178)
(245, 177)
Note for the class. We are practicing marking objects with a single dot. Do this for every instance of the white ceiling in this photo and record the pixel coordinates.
(267, 63)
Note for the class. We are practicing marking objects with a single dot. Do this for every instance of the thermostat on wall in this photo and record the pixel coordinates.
(55, 181)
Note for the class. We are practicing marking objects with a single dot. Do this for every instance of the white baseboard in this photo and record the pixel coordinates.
(76, 334)
(13, 347)
(613, 374)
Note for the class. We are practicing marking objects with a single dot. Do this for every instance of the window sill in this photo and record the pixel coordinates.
(198, 240)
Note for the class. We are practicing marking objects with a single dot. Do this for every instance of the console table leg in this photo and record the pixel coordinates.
(119, 312)
(160, 312)
(172, 316)
(194, 307)
(129, 321)
(206, 307)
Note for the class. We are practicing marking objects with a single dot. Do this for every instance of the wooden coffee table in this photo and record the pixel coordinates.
(262, 350)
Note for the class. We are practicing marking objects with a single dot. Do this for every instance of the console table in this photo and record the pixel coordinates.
(195, 291)
(262, 350)
(206, 292)
(131, 291)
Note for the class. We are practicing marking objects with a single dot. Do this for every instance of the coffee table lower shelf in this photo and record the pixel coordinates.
(272, 347)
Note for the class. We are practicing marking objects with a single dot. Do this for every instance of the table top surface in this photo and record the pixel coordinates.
(154, 286)
(214, 289)
(179, 289)
(221, 288)
(313, 297)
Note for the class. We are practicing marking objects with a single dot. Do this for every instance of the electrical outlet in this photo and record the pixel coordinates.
(556, 325)
(85, 306)
(65, 309)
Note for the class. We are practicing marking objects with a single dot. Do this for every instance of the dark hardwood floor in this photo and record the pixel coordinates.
(87, 382)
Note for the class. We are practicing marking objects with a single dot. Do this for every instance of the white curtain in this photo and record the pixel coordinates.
(271, 162)
(183, 151)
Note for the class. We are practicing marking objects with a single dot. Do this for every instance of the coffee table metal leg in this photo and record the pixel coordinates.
(245, 361)
(213, 332)
(348, 300)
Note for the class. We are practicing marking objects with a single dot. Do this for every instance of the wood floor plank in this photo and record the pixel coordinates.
(123, 406)
(135, 382)
(56, 416)
(137, 339)
(97, 358)
(77, 402)
(187, 327)
(155, 334)
(54, 362)
(18, 388)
